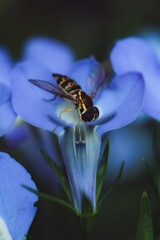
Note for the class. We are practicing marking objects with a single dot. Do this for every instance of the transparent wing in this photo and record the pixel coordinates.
(50, 87)
(96, 79)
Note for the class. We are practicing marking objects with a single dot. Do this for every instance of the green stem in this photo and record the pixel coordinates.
(87, 224)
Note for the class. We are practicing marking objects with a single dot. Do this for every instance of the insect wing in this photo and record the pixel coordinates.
(96, 79)
(50, 87)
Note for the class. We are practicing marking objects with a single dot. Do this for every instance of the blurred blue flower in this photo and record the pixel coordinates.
(7, 113)
(16, 203)
(131, 144)
(31, 158)
(119, 104)
(135, 54)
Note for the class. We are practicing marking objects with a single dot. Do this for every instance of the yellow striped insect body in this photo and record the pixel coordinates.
(82, 101)
(68, 89)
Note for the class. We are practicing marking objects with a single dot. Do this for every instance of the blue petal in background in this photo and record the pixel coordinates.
(58, 57)
(131, 144)
(5, 66)
(7, 114)
(134, 54)
(26, 142)
(16, 207)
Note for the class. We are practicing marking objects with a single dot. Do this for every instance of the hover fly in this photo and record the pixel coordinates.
(69, 90)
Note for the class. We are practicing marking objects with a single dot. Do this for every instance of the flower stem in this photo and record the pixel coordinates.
(86, 224)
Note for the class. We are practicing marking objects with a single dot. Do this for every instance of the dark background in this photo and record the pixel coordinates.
(89, 27)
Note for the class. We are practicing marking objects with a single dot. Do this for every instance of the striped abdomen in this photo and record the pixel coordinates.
(67, 85)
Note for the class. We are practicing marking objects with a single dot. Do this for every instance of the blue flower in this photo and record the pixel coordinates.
(135, 54)
(119, 104)
(16, 203)
(81, 145)
(7, 113)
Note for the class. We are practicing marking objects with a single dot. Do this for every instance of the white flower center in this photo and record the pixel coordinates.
(4, 232)
(70, 114)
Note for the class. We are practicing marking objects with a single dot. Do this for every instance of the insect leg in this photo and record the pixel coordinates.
(68, 101)
(69, 109)
(79, 115)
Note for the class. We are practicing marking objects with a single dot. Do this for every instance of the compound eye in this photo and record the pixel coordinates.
(91, 114)
(96, 113)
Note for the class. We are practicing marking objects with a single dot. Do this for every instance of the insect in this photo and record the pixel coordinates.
(69, 90)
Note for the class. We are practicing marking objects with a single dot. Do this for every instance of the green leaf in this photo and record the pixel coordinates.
(52, 198)
(60, 175)
(152, 179)
(102, 171)
(145, 230)
(109, 191)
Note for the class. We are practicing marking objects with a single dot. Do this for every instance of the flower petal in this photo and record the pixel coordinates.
(57, 56)
(121, 102)
(8, 116)
(134, 54)
(29, 101)
(81, 71)
(92, 150)
(67, 145)
(81, 158)
(16, 208)
(5, 66)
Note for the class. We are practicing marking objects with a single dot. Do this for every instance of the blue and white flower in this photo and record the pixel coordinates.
(119, 104)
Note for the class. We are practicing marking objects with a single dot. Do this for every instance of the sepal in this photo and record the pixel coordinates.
(145, 230)
(59, 174)
(102, 171)
(52, 198)
(152, 180)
